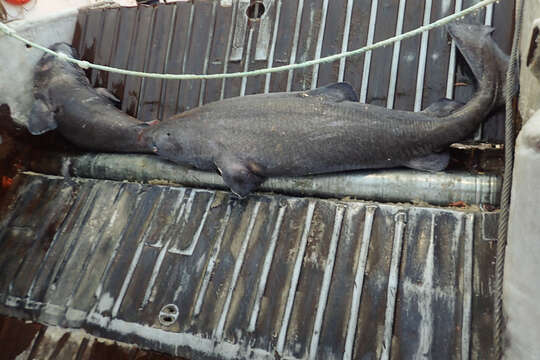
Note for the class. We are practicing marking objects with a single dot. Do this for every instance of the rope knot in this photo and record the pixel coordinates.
(83, 64)
(62, 56)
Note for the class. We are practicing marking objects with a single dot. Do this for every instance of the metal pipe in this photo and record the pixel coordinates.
(394, 185)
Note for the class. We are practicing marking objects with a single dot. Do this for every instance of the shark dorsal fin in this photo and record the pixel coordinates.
(443, 107)
(336, 92)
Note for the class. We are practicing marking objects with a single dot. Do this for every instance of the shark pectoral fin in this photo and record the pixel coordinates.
(336, 92)
(41, 118)
(237, 176)
(432, 162)
(108, 95)
(443, 107)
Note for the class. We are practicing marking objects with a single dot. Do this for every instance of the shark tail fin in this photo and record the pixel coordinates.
(486, 60)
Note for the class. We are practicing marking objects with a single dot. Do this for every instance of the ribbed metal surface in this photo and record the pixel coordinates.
(205, 36)
(264, 276)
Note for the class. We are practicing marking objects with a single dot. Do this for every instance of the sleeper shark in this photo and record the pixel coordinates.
(326, 130)
(248, 139)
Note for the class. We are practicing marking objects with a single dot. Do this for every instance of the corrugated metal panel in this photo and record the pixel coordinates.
(205, 36)
(268, 275)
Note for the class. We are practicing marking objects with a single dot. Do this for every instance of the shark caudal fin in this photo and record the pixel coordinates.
(486, 60)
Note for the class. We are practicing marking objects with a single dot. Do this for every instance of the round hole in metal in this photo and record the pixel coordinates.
(255, 10)
(168, 314)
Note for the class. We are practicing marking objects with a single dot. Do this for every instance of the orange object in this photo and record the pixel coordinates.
(17, 2)
(459, 203)
(6, 182)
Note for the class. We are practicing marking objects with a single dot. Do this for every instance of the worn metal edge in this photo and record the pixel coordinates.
(143, 336)
(393, 185)
(51, 340)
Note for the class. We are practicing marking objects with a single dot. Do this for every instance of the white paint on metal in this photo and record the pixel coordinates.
(456, 236)
(395, 57)
(218, 332)
(211, 28)
(177, 209)
(467, 286)
(265, 29)
(94, 239)
(393, 278)
(318, 48)
(425, 298)
(445, 6)
(99, 288)
(212, 262)
(294, 47)
(345, 41)
(189, 206)
(229, 47)
(266, 270)
(142, 88)
(166, 63)
(367, 57)
(189, 36)
(422, 59)
(179, 340)
(273, 46)
(452, 62)
(45, 259)
(325, 286)
(127, 279)
(294, 279)
(73, 238)
(136, 257)
(105, 303)
(189, 250)
(240, 30)
(358, 280)
(489, 15)
(246, 62)
(155, 273)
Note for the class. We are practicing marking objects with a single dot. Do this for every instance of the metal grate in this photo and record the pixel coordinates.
(205, 36)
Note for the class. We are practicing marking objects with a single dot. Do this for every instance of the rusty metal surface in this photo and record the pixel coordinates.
(26, 340)
(266, 276)
(205, 36)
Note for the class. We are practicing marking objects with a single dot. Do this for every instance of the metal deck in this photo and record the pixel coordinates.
(268, 276)
(196, 273)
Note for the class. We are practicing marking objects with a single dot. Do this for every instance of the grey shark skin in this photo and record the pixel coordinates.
(248, 139)
(65, 100)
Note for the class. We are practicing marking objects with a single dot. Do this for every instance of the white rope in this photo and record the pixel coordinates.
(85, 64)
